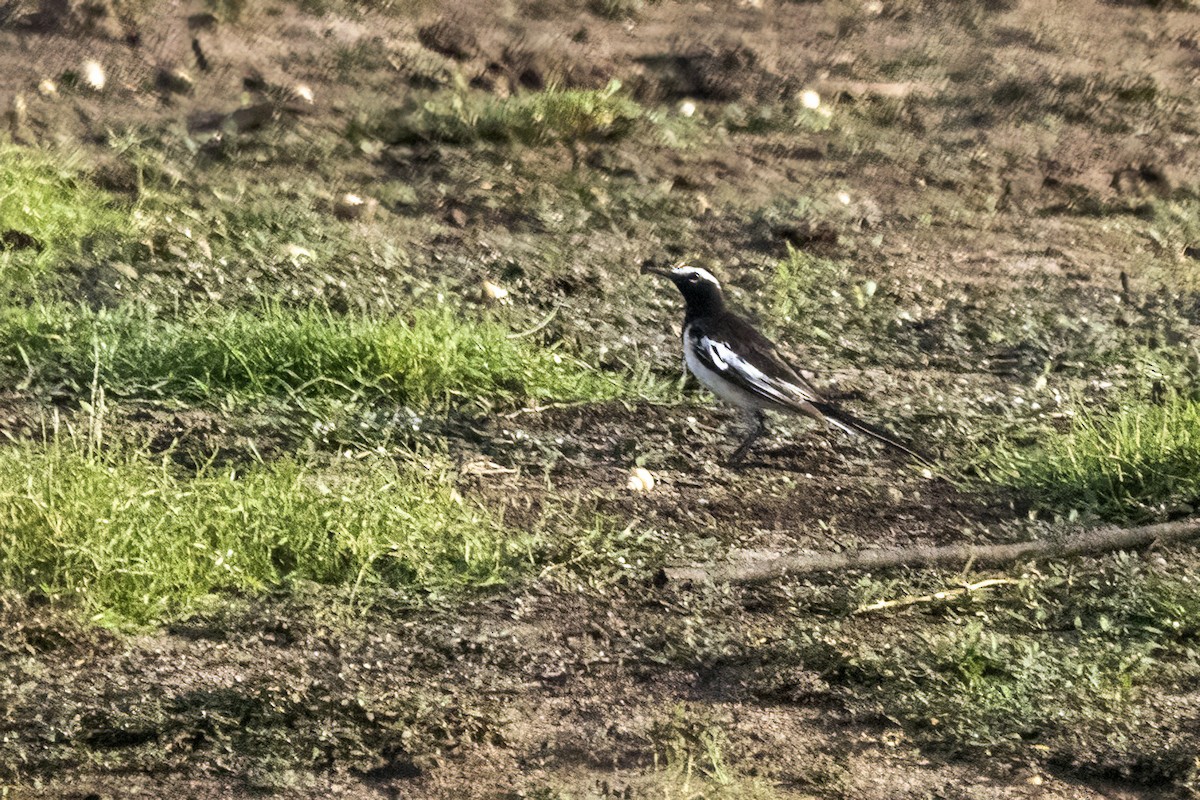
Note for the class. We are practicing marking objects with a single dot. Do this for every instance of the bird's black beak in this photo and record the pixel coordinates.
(648, 268)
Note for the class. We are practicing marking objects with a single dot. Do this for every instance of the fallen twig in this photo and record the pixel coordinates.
(1101, 540)
(945, 594)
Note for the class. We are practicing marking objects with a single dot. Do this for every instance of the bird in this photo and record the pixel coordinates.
(739, 365)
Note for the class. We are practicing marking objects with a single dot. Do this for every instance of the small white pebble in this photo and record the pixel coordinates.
(640, 480)
(843, 198)
(494, 293)
(93, 75)
(810, 99)
(687, 108)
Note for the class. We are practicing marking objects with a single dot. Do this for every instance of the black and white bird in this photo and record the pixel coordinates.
(744, 368)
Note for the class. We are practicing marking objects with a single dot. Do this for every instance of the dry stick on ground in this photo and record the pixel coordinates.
(1100, 540)
(945, 594)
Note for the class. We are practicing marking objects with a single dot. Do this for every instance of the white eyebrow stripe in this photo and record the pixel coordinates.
(702, 273)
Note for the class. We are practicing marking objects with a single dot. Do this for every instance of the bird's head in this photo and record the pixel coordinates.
(700, 289)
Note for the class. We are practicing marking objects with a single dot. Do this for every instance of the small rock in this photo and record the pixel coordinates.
(304, 93)
(355, 207)
(93, 75)
(640, 480)
(493, 294)
(458, 217)
(48, 88)
(298, 252)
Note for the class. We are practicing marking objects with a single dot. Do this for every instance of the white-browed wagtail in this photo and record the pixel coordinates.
(744, 368)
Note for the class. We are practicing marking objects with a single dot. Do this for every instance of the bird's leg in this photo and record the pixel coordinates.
(759, 422)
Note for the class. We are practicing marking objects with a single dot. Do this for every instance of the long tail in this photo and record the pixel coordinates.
(853, 425)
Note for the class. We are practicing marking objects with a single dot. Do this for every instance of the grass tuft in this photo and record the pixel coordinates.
(692, 760)
(126, 538)
(981, 688)
(1137, 461)
(434, 359)
(537, 118)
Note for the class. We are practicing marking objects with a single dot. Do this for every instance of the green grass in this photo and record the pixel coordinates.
(535, 118)
(1138, 460)
(823, 300)
(129, 538)
(125, 537)
(766, 118)
(436, 358)
(45, 197)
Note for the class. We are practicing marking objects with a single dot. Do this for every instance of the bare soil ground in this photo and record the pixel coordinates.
(997, 160)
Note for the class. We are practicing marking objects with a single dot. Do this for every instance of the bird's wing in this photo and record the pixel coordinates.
(754, 366)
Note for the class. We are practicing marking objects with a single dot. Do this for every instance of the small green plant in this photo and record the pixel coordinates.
(775, 117)
(981, 688)
(1073, 652)
(691, 759)
(550, 116)
(801, 282)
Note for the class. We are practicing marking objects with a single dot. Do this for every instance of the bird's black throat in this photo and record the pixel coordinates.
(702, 300)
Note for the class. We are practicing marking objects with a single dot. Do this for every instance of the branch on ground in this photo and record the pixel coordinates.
(754, 568)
